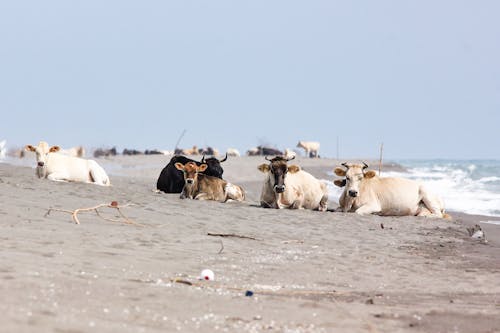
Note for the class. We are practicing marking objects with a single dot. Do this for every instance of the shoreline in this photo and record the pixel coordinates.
(308, 271)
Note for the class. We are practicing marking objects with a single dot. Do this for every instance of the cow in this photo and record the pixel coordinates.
(171, 180)
(202, 187)
(131, 152)
(262, 150)
(59, 167)
(366, 193)
(208, 151)
(291, 187)
(100, 152)
(233, 152)
(192, 151)
(311, 148)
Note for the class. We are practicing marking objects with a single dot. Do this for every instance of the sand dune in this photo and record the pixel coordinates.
(308, 271)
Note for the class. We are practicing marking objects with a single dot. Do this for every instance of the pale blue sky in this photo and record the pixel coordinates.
(421, 76)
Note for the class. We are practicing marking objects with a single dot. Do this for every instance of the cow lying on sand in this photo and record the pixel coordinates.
(366, 193)
(171, 180)
(290, 187)
(59, 167)
(202, 187)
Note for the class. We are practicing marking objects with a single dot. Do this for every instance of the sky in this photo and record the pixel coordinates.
(421, 77)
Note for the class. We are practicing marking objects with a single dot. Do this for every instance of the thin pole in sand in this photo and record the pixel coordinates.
(380, 160)
(180, 138)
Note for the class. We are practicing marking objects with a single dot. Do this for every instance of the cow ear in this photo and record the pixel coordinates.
(29, 148)
(202, 167)
(339, 172)
(293, 168)
(54, 149)
(370, 174)
(179, 166)
(264, 168)
(339, 182)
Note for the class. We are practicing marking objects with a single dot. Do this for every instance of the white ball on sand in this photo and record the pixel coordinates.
(207, 274)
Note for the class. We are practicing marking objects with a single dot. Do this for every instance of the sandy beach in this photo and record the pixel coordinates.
(289, 271)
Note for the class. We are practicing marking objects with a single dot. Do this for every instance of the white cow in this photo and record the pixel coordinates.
(311, 148)
(233, 152)
(290, 187)
(366, 193)
(59, 167)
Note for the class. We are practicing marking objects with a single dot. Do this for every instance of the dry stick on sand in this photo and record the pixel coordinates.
(231, 235)
(113, 204)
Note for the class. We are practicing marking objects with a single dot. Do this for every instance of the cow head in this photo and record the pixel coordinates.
(214, 168)
(354, 174)
(190, 170)
(42, 152)
(278, 168)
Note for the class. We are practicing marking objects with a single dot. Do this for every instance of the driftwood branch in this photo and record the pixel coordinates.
(231, 235)
(114, 205)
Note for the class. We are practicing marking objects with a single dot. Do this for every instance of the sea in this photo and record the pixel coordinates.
(468, 186)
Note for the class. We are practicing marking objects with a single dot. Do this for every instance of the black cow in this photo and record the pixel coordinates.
(171, 180)
(100, 152)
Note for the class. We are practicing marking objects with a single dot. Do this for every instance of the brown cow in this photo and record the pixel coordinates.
(202, 187)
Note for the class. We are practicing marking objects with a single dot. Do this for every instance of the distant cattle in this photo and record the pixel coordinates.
(290, 187)
(367, 193)
(202, 187)
(155, 152)
(59, 167)
(233, 152)
(100, 152)
(311, 148)
(130, 152)
(264, 151)
(171, 180)
(192, 151)
(208, 151)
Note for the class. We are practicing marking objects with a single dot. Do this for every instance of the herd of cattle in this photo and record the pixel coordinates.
(285, 185)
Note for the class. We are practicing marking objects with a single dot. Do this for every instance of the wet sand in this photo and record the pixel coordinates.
(308, 271)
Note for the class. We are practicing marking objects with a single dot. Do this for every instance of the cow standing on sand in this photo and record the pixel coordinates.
(366, 193)
(290, 187)
(202, 187)
(311, 148)
(171, 180)
(59, 167)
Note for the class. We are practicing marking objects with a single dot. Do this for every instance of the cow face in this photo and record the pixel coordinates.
(354, 174)
(190, 171)
(278, 169)
(42, 152)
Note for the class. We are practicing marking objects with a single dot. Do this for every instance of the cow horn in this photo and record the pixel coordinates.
(290, 158)
(345, 165)
(267, 159)
(365, 165)
(203, 159)
(224, 159)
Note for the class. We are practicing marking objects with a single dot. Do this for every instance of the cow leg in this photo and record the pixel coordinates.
(97, 174)
(323, 203)
(368, 209)
(58, 177)
(202, 196)
(432, 204)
